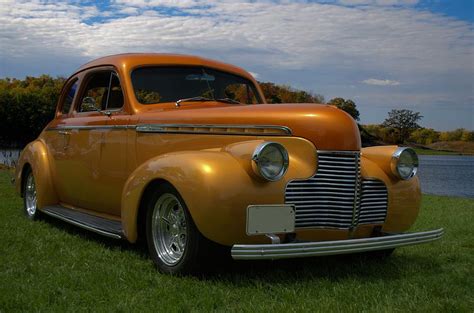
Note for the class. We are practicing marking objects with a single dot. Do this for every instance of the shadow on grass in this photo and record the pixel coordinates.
(221, 268)
(109, 243)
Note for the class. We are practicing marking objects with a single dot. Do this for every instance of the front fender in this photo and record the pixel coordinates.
(217, 186)
(404, 196)
(36, 155)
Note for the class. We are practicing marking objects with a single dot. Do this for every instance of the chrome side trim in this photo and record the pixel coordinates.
(309, 249)
(218, 129)
(87, 227)
(248, 130)
(91, 127)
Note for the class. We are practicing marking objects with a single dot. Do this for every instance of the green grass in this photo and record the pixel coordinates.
(47, 266)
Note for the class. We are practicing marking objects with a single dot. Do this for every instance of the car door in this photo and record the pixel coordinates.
(57, 137)
(113, 164)
(86, 131)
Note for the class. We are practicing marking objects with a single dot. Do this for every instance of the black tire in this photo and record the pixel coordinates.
(30, 207)
(163, 252)
(380, 254)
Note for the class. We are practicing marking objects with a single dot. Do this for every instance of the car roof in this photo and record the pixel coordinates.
(132, 60)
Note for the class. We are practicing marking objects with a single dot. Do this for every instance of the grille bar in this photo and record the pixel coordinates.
(336, 197)
(327, 199)
(374, 202)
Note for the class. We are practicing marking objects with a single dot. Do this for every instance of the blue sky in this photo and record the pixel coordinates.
(383, 54)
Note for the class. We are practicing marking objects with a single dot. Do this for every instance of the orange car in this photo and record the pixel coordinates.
(185, 154)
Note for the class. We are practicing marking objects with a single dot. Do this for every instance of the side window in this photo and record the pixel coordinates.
(94, 97)
(102, 92)
(115, 96)
(69, 97)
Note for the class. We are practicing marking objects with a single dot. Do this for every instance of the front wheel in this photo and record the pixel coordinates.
(173, 240)
(29, 196)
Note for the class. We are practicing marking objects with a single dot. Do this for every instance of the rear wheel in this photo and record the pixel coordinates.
(29, 196)
(174, 243)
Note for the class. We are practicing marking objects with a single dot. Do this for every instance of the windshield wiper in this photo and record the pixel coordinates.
(199, 98)
(228, 100)
(178, 102)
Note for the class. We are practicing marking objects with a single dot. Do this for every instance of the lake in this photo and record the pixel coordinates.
(449, 175)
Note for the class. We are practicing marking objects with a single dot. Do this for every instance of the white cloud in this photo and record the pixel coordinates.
(255, 75)
(381, 82)
(128, 11)
(379, 2)
(321, 47)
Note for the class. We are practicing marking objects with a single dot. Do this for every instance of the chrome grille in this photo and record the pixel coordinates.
(329, 198)
(336, 197)
(374, 201)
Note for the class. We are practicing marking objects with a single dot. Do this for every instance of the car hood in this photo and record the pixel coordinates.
(326, 126)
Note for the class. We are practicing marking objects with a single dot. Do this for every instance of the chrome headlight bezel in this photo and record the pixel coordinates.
(257, 165)
(396, 162)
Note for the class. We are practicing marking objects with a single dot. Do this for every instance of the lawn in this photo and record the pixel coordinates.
(48, 266)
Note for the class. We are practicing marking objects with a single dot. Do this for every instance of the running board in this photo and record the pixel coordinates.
(99, 225)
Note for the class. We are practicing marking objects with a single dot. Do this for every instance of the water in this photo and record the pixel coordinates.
(9, 156)
(449, 175)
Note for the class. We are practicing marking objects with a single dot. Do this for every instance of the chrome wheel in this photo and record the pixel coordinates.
(30, 195)
(168, 227)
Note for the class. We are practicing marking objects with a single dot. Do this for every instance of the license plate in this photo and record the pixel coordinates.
(270, 219)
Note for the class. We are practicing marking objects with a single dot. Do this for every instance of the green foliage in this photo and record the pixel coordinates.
(424, 136)
(286, 94)
(26, 106)
(459, 134)
(346, 105)
(404, 122)
(467, 135)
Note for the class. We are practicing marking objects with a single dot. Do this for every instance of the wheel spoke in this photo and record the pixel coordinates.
(30, 195)
(169, 229)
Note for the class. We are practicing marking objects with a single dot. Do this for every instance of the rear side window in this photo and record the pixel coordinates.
(69, 98)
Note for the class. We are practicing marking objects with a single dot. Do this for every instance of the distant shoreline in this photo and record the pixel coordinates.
(421, 151)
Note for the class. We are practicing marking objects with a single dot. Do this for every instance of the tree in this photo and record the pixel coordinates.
(26, 106)
(404, 121)
(346, 105)
(467, 135)
(286, 94)
(424, 136)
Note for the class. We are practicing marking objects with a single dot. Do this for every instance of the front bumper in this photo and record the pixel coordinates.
(309, 249)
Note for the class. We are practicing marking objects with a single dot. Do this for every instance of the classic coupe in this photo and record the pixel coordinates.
(184, 153)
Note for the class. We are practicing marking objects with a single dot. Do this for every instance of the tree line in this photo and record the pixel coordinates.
(27, 105)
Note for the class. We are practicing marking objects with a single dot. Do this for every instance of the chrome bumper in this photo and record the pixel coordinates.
(308, 249)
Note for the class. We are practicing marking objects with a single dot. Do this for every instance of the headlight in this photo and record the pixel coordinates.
(404, 163)
(270, 161)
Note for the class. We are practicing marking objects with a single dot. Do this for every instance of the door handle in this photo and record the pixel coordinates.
(64, 132)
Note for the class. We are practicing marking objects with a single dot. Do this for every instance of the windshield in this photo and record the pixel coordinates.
(160, 84)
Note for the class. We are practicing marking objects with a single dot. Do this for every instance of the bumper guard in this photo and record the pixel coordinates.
(321, 248)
